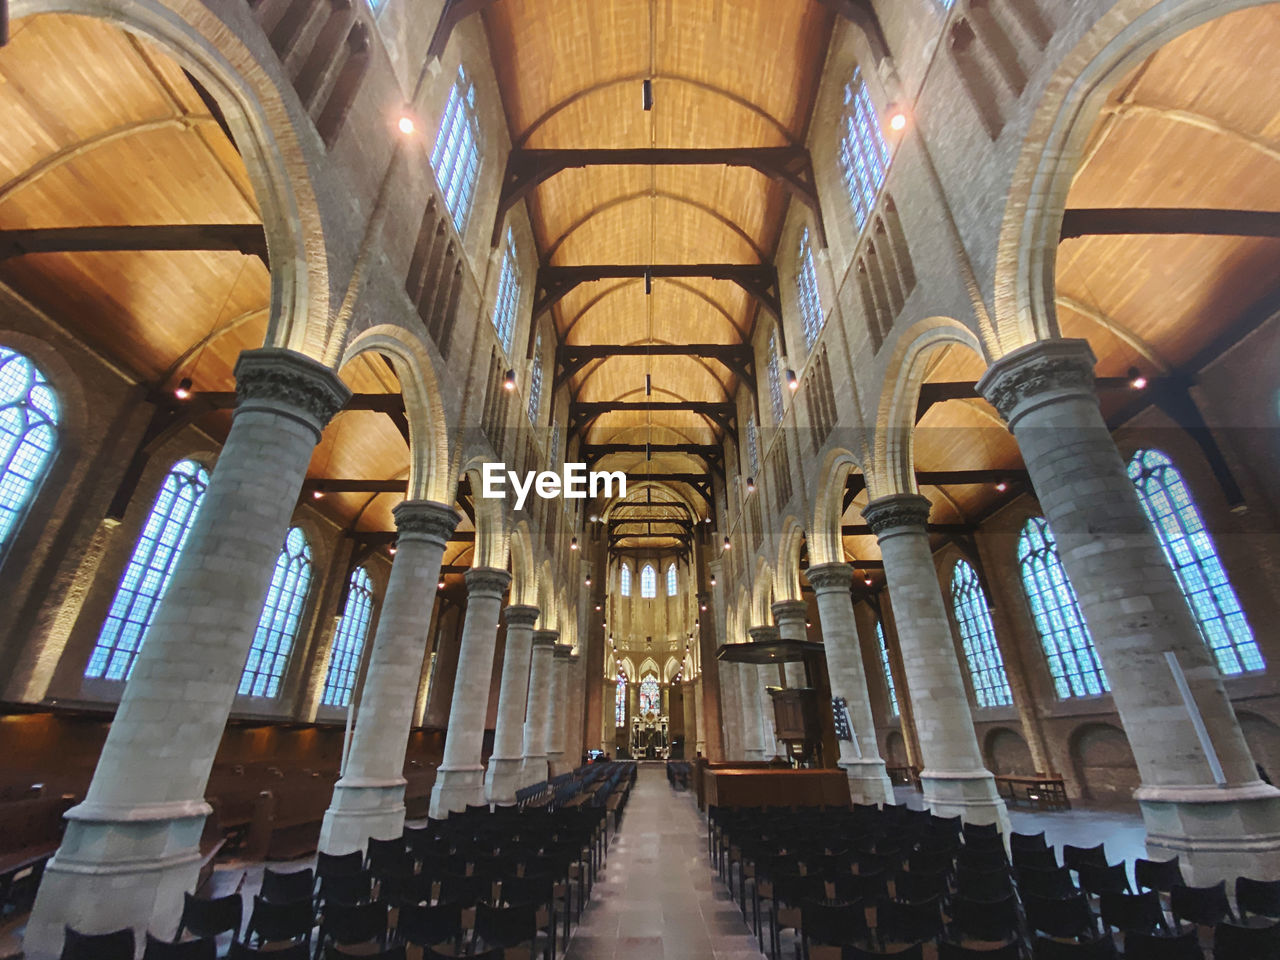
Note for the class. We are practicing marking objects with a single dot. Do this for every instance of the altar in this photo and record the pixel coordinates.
(650, 737)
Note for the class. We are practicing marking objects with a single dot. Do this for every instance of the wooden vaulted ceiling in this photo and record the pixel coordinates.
(733, 73)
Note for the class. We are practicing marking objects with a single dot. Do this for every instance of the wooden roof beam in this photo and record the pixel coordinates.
(738, 357)
(526, 169)
(1121, 221)
(454, 12)
(758, 280)
(862, 14)
(246, 238)
(720, 413)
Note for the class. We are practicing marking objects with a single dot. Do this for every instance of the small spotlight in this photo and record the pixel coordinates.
(1136, 380)
(406, 125)
(751, 485)
(573, 544)
(440, 585)
(509, 381)
(897, 117)
(597, 606)
(587, 582)
(867, 581)
(1002, 486)
(727, 544)
(317, 494)
(713, 579)
(391, 550)
(808, 624)
(183, 390)
(702, 607)
(793, 382)
(706, 519)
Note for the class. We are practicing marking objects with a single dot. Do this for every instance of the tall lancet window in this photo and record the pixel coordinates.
(648, 582)
(978, 637)
(28, 437)
(280, 620)
(348, 640)
(455, 158)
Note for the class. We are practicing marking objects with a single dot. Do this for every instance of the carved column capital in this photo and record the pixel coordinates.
(1045, 370)
(789, 610)
(486, 582)
(286, 382)
(425, 520)
(895, 512)
(763, 634)
(563, 651)
(546, 638)
(830, 577)
(521, 615)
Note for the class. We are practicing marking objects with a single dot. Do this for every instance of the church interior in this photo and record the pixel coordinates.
(920, 359)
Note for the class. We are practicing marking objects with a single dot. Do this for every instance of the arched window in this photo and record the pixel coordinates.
(149, 570)
(280, 620)
(620, 703)
(753, 445)
(888, 672)
(978, 637)
(456, 155)
(864, 156)
(28, 437)
(1068, 647)
(648, 582)
(505, 307)
(1190, 551)
(624, 580)
(535, 380)
(348, 640)
(650, 695)
(775, 377)
(672, 581)
(807, 291)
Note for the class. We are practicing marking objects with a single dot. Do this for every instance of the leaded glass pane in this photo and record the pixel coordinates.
(28, 437)
(978, 637)
(348, 640)
(281, 617)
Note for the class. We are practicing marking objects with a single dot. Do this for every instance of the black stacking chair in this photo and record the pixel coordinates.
(977, 858)
(1045, 949)
(1029, 858)
(1067, 918)
(346, 924)
(898, 922)
(1246, 943)
(1147, 946)
(242, 951)
(209, 918)
(503, 927)
(913, 952)
(396, 891)
(1099, 881)
(284, 887)
(1074, 857)
(1054, 884)
(117, 945)
(396, 952)
(380, 851)
(953, 951)
(1159, 875)
(871, 887)
(277, 922)
(984, 884)
(1028, 841)
(984, 919)
(915, 886)
(205, 948)
(346, 888)
(339, 864)
(540, 893)
(425, 926)
(498, 953)
(832, 925)
(465, 891)
(1259, 897)
(1204, 906)
(1133, 912)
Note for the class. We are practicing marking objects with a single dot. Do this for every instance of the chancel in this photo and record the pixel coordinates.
(639, 478)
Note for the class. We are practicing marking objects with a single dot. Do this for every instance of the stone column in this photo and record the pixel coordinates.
(790, 617)
(731, 709)
(369, 799)
(699, 719)
(577, 709)
(763, 677)
(1137, 613)
(557, 713)
(860, 759)
(460, 778)
(689, 719)
(133, 846)
(953, 778)
(541, 683)
(503, 777)
(608, 715)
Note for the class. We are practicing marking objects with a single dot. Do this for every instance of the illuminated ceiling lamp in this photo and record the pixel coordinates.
(183, 390)
(897, 116)
(728, 545)
(1136, 380)
(793, 382)
(509, 381)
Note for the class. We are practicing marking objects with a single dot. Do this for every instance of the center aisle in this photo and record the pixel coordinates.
(657, 897)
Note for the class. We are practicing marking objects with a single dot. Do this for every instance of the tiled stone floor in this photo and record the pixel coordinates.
(657, 897)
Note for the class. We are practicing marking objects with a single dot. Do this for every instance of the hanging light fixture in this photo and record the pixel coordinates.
(713, 579)
(573, 543)
(1136, 380)
(183, 390)
(897, 115)
(317, 494)
(406, 124)
(727, 544)
(440, 585)
(751, 485)
(509, 381)
(793, 382)
(587, 582)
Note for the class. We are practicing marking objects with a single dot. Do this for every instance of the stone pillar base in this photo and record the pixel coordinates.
(454, 789)
(128, 871)
(972, 796)
(502, 778)
(533, 770)
(361, 809)
(1219, 833)
(556, 764)
(755, 755)
(868, 781)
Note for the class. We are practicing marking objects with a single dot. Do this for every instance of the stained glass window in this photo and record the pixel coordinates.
(620, 703)
(978, 637)
(672, 580)
(753, 445)
(888, 672)
(280, 620)
(650, 696)
(504, 308)
(648, 582)
(28, 437)
(149, 570)
(348, 640)
(775, 378)
(807, 290)
(864, 155)
(1194, 559)
(456, 155)
(1068, 646)
(624, 580)
(535, 380)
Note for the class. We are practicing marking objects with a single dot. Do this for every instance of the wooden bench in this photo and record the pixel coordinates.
(1037, 792)
(30, 831)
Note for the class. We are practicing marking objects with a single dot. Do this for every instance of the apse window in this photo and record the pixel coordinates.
(1190, 551)
(673, 584)
(455, 158)
(624, 580)
(978, 638)
(620, 703)
(348, 640)
(28, 438)
(150, 568)
(1068, 646)
(505, 307)
(648, 582)
(888, 671)
(807, 292)
(864, 155)
(280, 620)
(650, 696)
